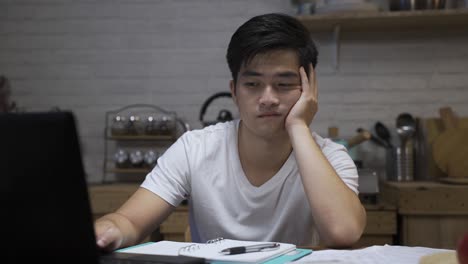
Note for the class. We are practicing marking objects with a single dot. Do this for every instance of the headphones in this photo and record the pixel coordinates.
(223, 115)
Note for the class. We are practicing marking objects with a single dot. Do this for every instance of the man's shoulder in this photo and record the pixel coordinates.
(210, 134)
(326, 144)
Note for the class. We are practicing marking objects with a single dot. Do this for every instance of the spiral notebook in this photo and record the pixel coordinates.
(210, 251)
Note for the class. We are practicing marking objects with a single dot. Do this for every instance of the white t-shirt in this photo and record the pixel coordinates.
(203, 166)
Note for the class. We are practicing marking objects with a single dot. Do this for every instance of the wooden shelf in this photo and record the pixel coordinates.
(396, 21)
(129, 171)
(142, 137)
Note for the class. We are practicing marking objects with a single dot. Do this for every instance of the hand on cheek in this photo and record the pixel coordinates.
(306, 106)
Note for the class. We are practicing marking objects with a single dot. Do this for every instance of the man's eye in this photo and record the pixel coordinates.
(251, 84)
(287, 86)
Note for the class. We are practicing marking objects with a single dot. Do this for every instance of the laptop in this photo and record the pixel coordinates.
(45, 206)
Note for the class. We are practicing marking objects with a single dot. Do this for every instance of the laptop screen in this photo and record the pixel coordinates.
(43, 187)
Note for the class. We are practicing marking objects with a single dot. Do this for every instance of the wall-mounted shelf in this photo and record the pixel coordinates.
(130, 170)
(383, 21)
(142, 137)
(398, 21)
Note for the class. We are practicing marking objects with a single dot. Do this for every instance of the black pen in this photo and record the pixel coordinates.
(252, 248)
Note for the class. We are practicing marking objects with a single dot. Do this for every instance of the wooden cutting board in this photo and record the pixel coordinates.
(431, 128)
(449, 257)
(450, 147)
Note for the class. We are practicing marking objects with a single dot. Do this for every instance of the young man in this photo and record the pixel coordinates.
(265, 177)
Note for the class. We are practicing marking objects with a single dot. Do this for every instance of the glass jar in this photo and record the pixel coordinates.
(136, 158)
(166, 125)
(150, 158)
(135, 126)
(119, 125)
(151, 125)
(121, 159)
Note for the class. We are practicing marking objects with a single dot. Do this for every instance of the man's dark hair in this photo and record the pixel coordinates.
(269, 32)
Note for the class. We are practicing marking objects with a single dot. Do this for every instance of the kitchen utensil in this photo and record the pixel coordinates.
(450, 149)
(373, 138)
(223, 116)
(399, 166)
(406, 128)
(359, 138)
(405, 119)
(383, 133)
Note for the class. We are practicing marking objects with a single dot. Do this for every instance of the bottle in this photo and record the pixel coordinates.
(333, 134)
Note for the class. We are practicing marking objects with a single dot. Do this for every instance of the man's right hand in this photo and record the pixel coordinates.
(108, 235)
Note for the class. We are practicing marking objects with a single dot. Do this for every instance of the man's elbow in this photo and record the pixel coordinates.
(345, 235)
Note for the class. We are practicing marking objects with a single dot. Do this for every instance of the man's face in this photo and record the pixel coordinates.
(265, 91)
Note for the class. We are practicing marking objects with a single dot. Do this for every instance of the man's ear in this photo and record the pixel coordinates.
(232, 87)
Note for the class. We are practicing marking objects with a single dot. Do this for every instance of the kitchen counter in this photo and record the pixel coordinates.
(430, 214)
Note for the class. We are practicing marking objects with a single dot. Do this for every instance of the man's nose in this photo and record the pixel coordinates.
(269, 97)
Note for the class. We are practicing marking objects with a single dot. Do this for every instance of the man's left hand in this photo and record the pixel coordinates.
(306, 107)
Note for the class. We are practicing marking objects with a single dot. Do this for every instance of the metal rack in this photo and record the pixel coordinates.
(138, 140)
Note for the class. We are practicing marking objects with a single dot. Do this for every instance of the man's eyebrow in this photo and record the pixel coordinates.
(285, 74)
(251, 73)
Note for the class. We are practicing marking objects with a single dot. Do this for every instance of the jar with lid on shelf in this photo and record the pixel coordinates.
(166, 125)
(136, 158)
(135, 126)
(151, 125)
(119, 125)
(150, 158)
(121, 159)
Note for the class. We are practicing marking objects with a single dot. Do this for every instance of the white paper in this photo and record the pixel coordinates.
(210, 251)
(371, 255)
(168, 248)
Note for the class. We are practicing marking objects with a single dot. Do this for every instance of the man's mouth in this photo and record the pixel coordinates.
(269, 114)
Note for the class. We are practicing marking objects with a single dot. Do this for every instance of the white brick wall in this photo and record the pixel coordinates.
(93, 56)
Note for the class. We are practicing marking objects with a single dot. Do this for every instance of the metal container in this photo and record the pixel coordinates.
(400, 163)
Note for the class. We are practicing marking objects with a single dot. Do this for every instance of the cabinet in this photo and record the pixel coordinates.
(135, 136)
(430, 214)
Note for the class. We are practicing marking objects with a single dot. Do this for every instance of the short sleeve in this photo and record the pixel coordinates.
(339, 158)
(170, 178)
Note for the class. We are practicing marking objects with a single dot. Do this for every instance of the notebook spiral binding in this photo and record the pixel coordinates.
(195, 247)
(216, 240)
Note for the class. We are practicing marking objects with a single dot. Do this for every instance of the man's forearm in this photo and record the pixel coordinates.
(128, 234)
(337, 211)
